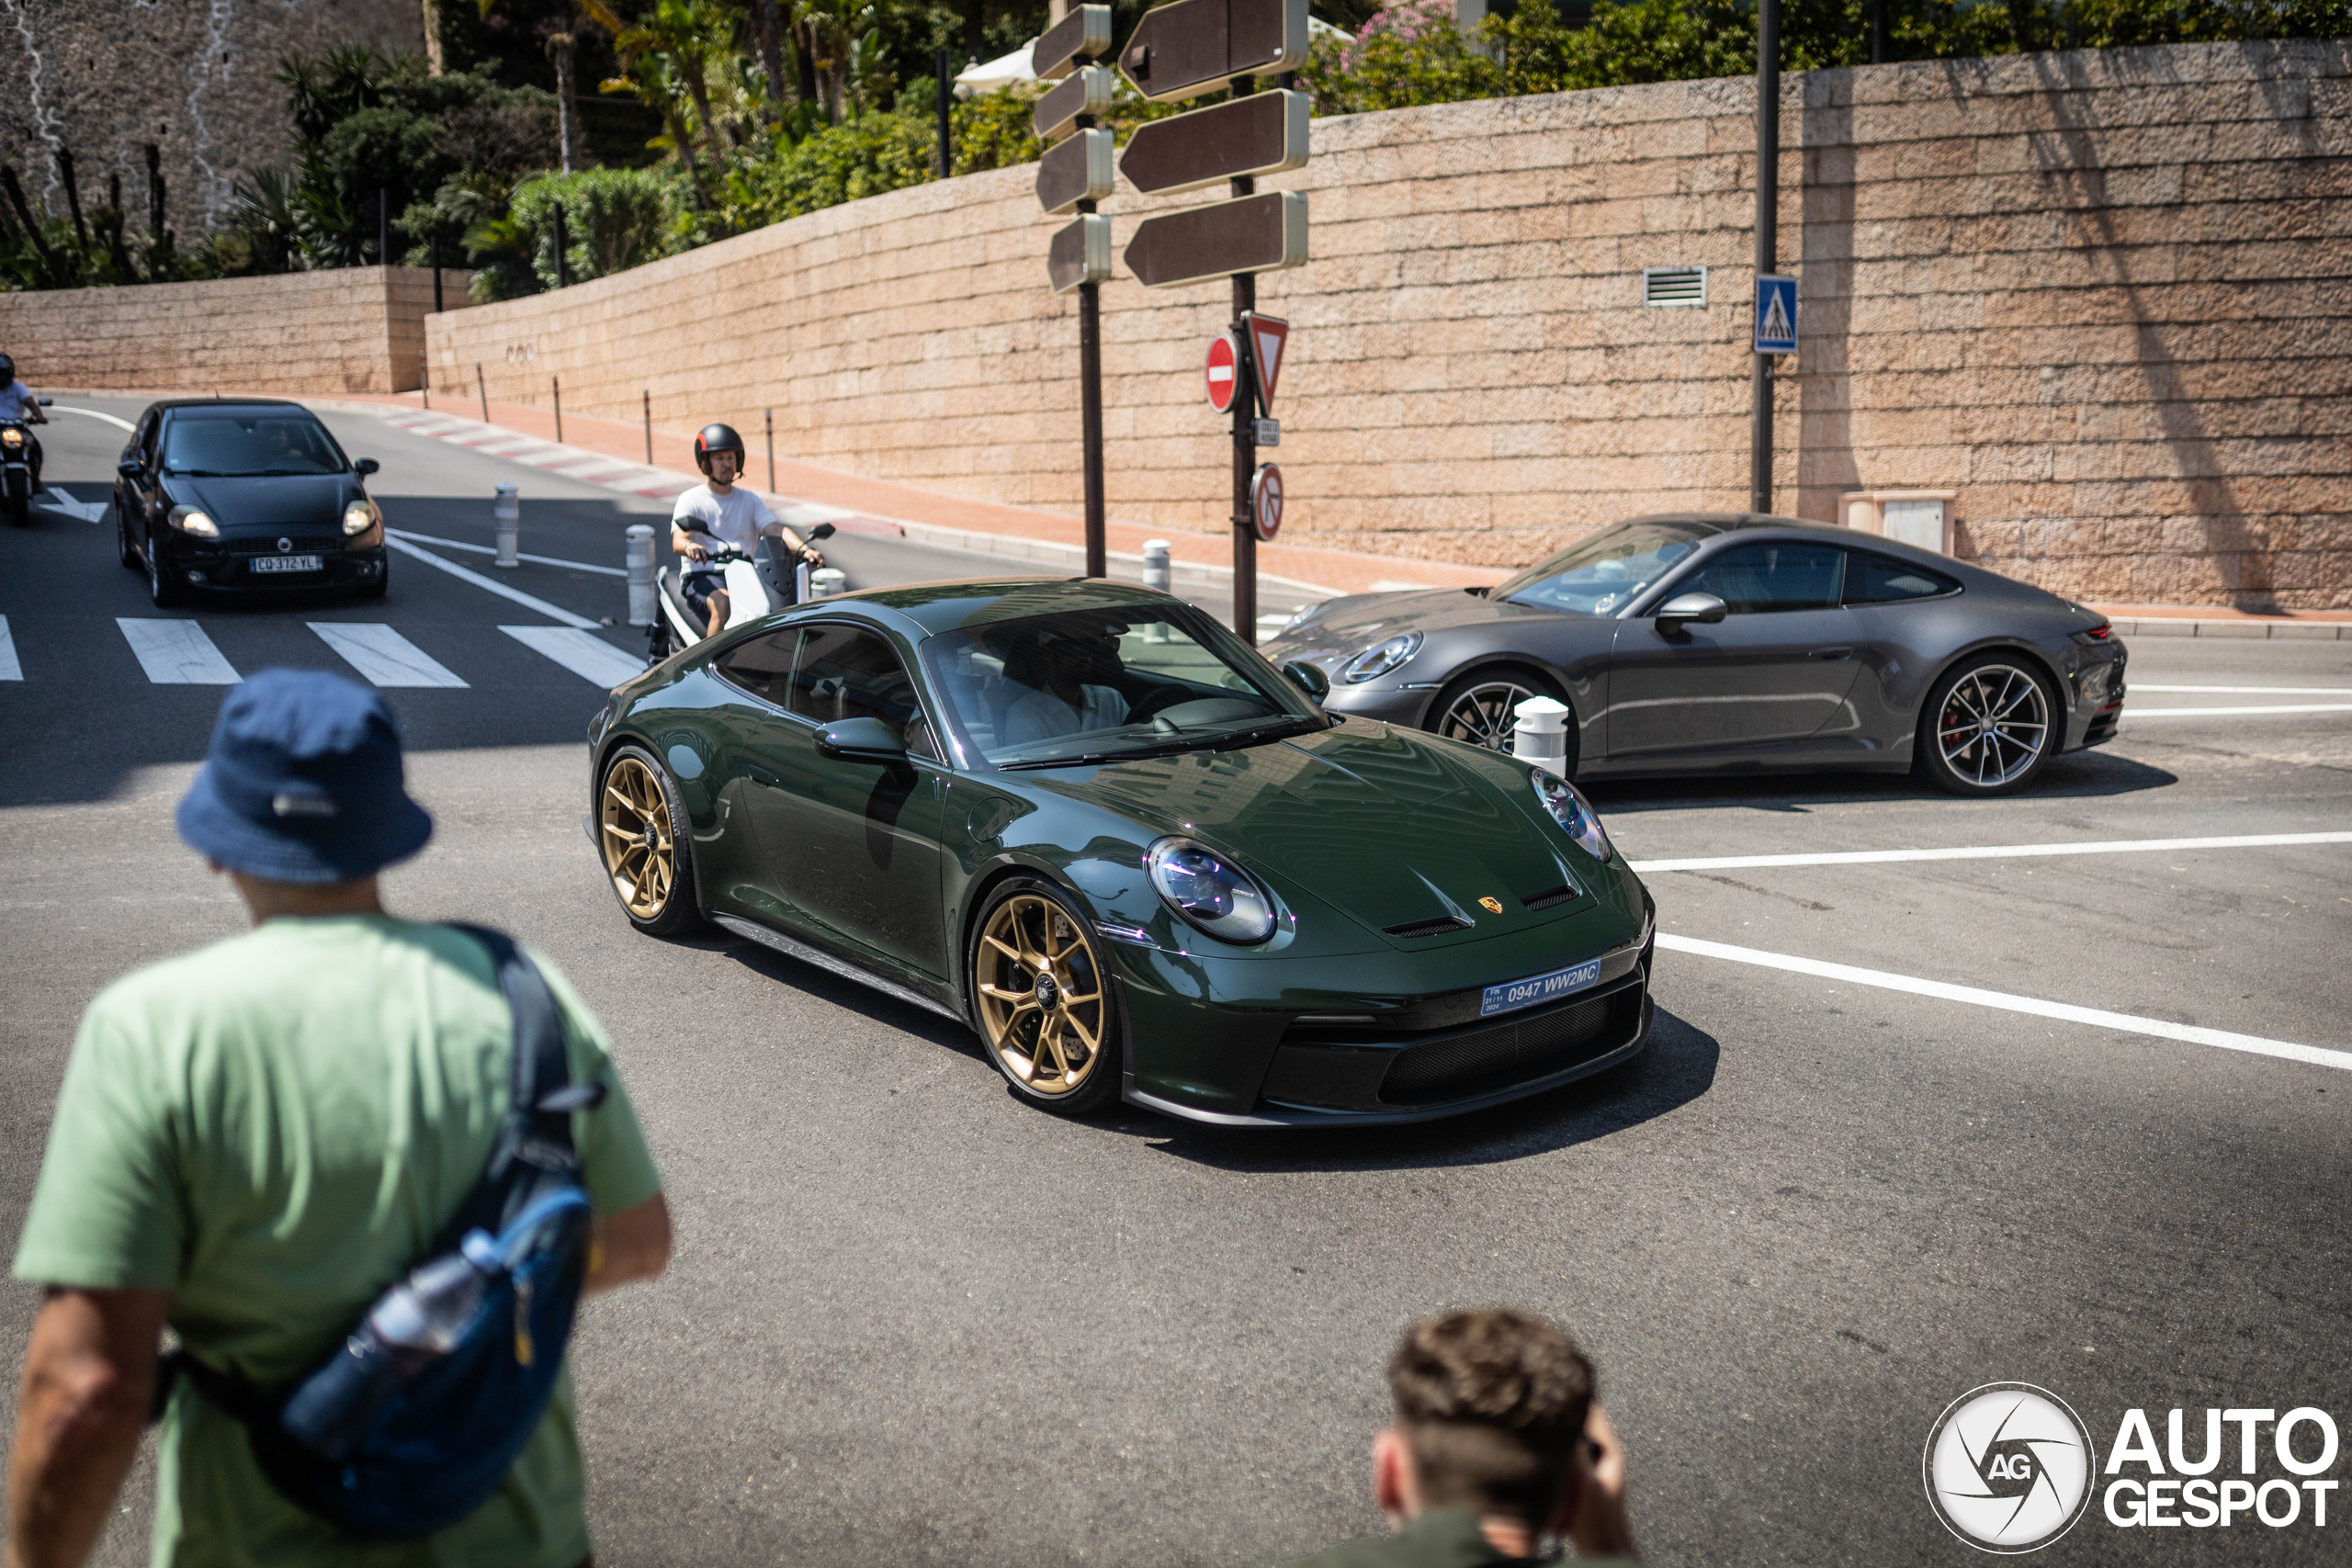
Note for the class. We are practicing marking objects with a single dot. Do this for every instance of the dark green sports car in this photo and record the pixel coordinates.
(1090, 822)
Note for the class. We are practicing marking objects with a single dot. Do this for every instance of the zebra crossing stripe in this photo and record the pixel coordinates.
(585, 654)
(382, 654)
(9, 669)
(176, 653)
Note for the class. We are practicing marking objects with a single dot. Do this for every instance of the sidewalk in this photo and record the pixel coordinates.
(613, 454)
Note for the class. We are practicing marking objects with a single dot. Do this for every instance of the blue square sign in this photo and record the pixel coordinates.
(1776, 315)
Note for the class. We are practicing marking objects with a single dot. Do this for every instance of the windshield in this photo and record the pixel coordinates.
(1603, 573)
(1093, 685)
(240, 442)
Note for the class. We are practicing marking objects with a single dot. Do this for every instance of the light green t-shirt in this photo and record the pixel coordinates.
(275, 1129)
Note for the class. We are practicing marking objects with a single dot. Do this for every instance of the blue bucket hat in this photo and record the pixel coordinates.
(303, 783)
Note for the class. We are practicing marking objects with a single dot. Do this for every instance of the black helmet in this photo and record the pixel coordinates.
(719, 438)
(8, 373)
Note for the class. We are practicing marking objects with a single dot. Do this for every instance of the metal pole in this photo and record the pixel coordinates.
(425, 378)
(1878, 32)
(1768, 213)
(1244, 443)
(484, 388)
(557, 382)
(1089, 378)
(770, 414)
(648, 427)
(946, 141)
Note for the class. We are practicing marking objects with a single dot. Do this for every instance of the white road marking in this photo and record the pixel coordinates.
(492, 550)
(2233, 713)
(584, 654)
(87, 511)
(2254, 691)
(1991, 852)
(541, 606)
(2194, 1034)
(9, 669)
(176, 653)
(382, 654)
(119, 424)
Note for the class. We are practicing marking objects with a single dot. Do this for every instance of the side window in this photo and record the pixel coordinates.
(1877, 580)
(851, 672)
(147, 435)
(762, 666)
(1760, 579)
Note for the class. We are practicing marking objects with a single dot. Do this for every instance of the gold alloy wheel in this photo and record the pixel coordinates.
(1041, 995)
(639, 854)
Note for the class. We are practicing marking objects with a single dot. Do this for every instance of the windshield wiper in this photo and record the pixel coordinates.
(1086, 758)
(1294, 724)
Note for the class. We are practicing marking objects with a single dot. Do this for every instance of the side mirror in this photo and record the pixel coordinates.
(860, 740)
(822, 531)
(1308, 677)
(365, 467)
(130, 468)
(1684, 608)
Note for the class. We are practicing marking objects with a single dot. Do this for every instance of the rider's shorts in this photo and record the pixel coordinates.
(696, 587)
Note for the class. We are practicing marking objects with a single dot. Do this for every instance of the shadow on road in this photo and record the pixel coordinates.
(2072, 776)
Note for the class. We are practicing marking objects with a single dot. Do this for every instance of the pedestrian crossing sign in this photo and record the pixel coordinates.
(1776, 315)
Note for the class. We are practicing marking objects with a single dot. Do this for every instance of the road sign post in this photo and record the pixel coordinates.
(1768, 242)
(1071, 177)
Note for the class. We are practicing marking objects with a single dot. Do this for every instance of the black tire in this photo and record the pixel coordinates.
(20, 513)
(161, 592)
(122, 547)
(636, 791)
(1477, 708)
(1989, 726)
(1039, 1056)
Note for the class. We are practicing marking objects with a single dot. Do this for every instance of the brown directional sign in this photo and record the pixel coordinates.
(1078, 170)
(1254, 233)
(1086, 92)
(1081, 253)
(1084, 34)
(1196, 46)
(1263, 134)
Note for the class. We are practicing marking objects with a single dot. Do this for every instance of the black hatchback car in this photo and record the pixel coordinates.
(244, 495)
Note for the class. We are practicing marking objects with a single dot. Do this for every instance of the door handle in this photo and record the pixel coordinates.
(1833, 653)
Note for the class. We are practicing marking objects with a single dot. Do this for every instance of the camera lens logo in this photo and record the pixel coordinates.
(2009, 1468)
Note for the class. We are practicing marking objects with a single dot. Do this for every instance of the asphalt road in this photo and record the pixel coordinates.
(910, 1321)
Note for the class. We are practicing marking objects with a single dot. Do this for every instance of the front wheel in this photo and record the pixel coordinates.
(1481, 707)
(1989, 727)
(161, 592)
(1044, 1005)
(20, 512)
(642, 828)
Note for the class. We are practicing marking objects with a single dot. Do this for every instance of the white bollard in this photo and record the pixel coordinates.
(827, 580)
(637, 557)
(1541, 735)
(506, 516)
(1156, 573)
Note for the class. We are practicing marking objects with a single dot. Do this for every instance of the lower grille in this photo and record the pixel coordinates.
(1480, 1061)
(303, 545)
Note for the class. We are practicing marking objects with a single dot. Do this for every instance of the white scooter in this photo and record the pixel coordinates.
(757, 585)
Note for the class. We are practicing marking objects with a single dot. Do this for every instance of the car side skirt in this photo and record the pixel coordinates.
(832, 963)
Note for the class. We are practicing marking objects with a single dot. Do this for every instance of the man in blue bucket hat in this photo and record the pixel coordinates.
(255, 1140)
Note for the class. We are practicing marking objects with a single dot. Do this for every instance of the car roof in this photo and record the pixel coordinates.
(934, 607)
(170, 404)
(1731, 520)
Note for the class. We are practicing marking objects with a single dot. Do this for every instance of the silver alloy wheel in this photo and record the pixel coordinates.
(1484, 715)
(1993, 725)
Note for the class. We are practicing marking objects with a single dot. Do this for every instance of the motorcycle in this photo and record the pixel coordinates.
(758, 584)
(17, 448)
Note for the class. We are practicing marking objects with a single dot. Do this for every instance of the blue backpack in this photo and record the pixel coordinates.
(412, 1422)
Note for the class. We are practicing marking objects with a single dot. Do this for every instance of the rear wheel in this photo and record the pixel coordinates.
(1044, 1005)
(1989, 727)
(1480, 707)
(642, 828)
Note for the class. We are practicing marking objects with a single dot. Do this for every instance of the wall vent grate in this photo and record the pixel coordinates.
(1673, 286)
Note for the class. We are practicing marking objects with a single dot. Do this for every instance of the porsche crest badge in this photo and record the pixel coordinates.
(1492, 905)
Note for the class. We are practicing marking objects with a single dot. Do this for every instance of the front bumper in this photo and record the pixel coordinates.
(220, 569)
(1375, 1038)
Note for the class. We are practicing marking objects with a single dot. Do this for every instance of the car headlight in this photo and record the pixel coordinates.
(1381, 658)
(188, 520)
(1572, 811)
(359, 516)
(1209, 891)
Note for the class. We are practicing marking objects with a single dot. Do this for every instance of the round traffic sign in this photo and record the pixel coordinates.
(1224, 372)
(1266, 501)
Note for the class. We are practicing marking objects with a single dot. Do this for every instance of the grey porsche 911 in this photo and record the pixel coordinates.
(1737, 642)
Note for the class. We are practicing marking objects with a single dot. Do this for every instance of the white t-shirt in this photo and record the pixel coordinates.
(17, 399)
(735, 518)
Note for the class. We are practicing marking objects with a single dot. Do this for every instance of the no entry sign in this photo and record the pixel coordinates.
(1266, 501)
(1224, 372)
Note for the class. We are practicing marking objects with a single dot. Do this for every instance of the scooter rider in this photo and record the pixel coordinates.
(716, 514)
(17, 401)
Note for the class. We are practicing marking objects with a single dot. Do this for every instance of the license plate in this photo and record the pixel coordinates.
(289, 563)
(1518, 994)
